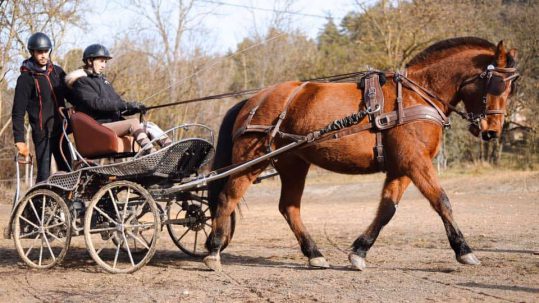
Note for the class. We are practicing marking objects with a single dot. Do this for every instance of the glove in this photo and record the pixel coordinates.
(132, 108)
(22, 148)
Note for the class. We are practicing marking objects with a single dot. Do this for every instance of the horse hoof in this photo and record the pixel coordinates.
(357, 261)
(318, 262)
(213, 263)
(469, 259)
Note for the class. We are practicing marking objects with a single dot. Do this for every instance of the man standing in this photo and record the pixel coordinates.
(40, 91)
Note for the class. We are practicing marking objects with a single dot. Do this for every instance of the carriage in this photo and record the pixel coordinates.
(120, 207)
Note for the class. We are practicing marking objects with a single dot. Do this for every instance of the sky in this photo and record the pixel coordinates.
(230, 23)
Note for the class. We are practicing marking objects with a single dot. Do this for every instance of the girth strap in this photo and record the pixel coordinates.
(400, 109)
(374, 101)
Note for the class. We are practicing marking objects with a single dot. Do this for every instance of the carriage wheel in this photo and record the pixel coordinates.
(42, 229)
(137, 249)
(121, 227)
(190, 224)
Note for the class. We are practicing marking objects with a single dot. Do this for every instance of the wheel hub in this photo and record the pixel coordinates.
(196, 216)
(120, 227)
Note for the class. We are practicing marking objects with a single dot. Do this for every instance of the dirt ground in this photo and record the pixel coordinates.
(498, 213)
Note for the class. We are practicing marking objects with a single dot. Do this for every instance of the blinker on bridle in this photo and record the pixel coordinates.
(490, 73)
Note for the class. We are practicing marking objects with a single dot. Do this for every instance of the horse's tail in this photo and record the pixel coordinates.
(223, 152)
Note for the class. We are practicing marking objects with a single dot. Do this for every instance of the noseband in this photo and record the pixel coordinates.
(488, 75)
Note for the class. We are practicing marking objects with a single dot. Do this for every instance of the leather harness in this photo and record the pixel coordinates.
(379, 120)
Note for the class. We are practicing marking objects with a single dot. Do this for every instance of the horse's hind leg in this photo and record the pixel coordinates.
(394, 187)
(424, 177)
(293, 171)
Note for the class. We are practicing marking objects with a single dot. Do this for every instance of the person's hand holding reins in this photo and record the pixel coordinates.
(134, 108)
(22, 149)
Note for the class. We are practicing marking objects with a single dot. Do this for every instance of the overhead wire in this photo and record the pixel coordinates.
(264, 9)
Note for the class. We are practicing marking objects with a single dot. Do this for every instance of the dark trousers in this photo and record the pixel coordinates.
(46, 147)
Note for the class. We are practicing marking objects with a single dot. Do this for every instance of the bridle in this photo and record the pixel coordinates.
(473, 118)
(492, 72)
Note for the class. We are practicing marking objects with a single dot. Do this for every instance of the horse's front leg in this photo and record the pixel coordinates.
(424, 177)
(394, 187)
(228, 200)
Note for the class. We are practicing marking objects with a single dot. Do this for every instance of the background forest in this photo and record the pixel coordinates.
(152, 63)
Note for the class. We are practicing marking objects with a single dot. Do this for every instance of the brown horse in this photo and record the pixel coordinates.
(451, 71)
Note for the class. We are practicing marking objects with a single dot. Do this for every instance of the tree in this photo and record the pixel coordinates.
(336, 53)
(170, 25)
(18, 20)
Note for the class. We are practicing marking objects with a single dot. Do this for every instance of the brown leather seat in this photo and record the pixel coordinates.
(94, 140)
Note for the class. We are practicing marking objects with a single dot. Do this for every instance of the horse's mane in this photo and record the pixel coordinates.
(435, 51)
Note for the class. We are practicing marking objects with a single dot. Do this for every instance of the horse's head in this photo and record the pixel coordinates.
(486, 94)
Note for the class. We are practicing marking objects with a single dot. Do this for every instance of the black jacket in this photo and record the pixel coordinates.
(39, 100)
(95, 96)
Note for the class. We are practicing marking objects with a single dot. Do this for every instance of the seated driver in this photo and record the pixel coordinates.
(95, 96)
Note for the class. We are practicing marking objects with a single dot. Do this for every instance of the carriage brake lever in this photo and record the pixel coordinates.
(7, 230)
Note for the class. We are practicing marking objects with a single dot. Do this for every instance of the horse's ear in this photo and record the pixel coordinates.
(501, 55)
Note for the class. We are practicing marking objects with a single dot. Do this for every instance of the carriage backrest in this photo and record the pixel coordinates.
(94, 140)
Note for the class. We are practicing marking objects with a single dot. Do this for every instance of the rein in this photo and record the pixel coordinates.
(330, 79)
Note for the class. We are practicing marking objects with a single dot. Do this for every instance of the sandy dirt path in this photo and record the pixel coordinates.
(498, 213)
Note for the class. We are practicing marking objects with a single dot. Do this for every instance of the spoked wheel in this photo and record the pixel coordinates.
(121, 227)
(189, 224)
(42, 229)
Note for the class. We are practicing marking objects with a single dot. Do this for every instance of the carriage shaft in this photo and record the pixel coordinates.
(212, 176)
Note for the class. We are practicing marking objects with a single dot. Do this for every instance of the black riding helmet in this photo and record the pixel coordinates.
(95, 51)
(39, 41)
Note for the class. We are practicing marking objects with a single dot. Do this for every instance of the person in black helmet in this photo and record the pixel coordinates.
(40, 91)
(94, 95)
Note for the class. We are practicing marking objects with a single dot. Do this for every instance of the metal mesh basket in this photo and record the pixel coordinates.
(65, 181)
(179, 159)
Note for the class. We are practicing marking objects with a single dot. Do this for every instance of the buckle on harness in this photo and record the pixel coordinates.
(382, 122)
